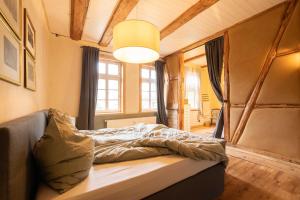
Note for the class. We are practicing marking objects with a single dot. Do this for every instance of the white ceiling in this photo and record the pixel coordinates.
(194, 52)
(58, 14)
(160, 12)
(97, 19)
(221, 15)
(200, 61)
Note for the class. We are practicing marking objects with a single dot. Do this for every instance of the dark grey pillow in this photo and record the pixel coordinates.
(64, 156)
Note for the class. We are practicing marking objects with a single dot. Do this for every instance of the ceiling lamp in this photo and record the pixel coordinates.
(136, 41)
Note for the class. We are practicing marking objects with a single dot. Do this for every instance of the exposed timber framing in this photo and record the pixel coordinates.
(194, 57)
(120, 13)
(220, 33)
(237, 105)
(264, 71)
(189, 14)
(181, 92)
(284, 53)
(78, 14)
(261, 106)
(226, 93)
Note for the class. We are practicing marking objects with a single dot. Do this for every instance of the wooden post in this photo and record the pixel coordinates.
(226, 94)
(181, 91)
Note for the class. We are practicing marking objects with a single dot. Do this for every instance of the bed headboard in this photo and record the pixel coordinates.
(18, 173)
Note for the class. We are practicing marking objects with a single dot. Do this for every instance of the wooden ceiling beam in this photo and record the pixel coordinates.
(222, 32)
(78, 14)
(194, 57)
(120, 13)
(189, 14)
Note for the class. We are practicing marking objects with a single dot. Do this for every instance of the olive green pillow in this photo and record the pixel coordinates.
(64, 156)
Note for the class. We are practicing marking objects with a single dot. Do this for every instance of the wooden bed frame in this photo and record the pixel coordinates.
(19, 176)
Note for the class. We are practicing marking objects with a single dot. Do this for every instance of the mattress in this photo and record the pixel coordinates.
(130, 180)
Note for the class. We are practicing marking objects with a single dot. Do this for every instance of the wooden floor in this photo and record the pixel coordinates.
(245, 180)
(203, 129)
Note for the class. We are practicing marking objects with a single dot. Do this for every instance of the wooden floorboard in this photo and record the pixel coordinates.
(245, 180)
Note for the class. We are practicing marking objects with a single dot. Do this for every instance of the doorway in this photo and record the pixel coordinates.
(201, 105)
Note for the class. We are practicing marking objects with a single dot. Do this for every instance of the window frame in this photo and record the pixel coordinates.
(194, 91)
(194, 97)
(141, 80)
(108, 77)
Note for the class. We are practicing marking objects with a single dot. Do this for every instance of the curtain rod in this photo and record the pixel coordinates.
(58, 35)
(99, 49)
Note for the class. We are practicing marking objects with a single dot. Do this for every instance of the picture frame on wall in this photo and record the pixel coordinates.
(29, 34)
(10, 54)
(30, 71)
(11, 11)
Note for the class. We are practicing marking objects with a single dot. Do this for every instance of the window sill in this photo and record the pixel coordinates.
(122, 113)
(195, 110)
(109, 113)
(148, 111)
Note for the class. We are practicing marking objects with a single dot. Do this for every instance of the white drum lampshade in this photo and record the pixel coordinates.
(136, 41)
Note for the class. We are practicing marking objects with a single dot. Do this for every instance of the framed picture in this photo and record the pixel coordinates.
(30, 73)
(10, 54)
(29, 34)
(11, 10)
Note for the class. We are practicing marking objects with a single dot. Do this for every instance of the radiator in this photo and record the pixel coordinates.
(119, 123)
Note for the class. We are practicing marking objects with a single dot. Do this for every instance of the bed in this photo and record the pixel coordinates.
(163, 177)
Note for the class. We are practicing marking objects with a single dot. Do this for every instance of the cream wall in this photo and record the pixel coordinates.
(58, 65)
(15, 100)
(58, 73)
(132, 88)
(207, 89)
(65, 58)
(273, 125)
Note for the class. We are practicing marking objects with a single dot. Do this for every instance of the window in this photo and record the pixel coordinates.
(192, 88)
(109, 87)
(148, 88)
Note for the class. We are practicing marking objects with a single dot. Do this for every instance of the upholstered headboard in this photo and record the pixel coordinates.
(18, 173)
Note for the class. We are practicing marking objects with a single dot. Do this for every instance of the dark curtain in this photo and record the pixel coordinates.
(89, 87)
(161, 109)
(214, 55)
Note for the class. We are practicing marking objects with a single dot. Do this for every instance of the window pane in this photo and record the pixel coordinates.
(153, 87)
(145, 95)
(113, 94)
(145, 87)
(101, 84)
(153, 74)
(190, 95)
(145, 73)
(153, 104)
(113, 69)
(145, 105)
(153, 96)
(113, 105)
(102, 69)
(192, 103)
(113, 84)
(100, 105)
(101, 94)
